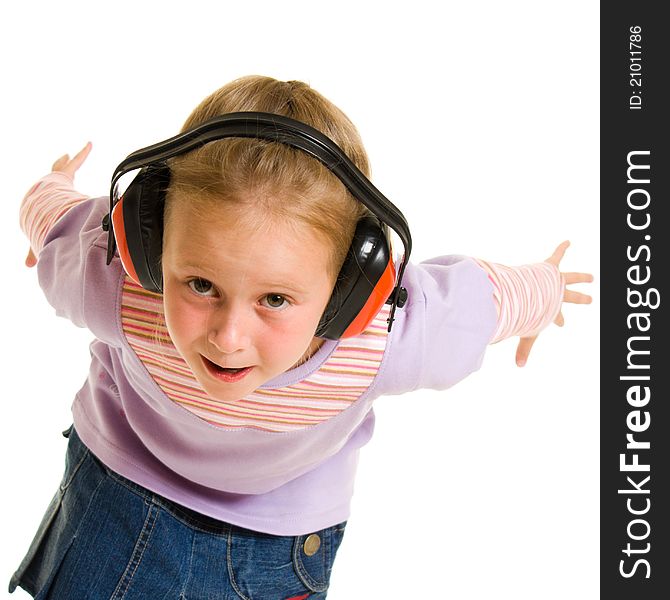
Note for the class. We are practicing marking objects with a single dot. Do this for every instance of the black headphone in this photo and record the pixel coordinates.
(368, 277)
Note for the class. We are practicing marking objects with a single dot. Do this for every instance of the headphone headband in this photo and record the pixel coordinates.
(276, 128)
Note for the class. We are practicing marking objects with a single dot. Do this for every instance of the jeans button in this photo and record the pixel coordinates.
(312, 544)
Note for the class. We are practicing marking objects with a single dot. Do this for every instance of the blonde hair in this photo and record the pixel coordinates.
(269, 178)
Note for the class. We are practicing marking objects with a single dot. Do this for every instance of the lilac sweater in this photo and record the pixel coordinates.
(285, 483)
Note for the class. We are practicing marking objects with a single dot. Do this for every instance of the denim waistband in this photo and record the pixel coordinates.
(188, 516)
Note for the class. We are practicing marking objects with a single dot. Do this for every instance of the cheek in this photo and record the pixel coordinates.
(291, 338)
(182, 322)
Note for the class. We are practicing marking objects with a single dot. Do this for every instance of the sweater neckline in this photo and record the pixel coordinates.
(304, 370)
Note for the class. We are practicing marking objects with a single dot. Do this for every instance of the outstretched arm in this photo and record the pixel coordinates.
(530, 297)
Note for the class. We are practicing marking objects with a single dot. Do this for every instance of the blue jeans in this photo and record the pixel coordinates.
(105, 537)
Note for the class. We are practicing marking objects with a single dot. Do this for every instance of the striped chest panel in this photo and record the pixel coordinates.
(341, 380)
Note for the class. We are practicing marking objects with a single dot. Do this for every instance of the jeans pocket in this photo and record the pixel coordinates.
(313, 557)
(259, 565)
(264, 566)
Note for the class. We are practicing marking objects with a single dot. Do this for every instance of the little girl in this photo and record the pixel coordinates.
(242, 333)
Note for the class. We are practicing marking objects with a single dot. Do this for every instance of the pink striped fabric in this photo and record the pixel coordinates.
(340, 381)
(44, 204)
(528, 298)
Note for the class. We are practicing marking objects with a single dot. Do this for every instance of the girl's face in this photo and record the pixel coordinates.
(242, 302)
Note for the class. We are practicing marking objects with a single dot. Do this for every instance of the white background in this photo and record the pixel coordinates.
(481, 121)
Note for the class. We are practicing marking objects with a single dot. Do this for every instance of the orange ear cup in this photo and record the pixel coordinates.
(375, 301)
(121, 242)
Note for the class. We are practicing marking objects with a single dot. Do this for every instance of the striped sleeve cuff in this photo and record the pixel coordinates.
(528, 298)
(44, 204)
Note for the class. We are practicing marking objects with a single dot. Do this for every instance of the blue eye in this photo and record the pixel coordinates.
(202, 287)
(275, 301)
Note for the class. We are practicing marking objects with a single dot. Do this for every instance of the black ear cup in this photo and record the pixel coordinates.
(143, 206)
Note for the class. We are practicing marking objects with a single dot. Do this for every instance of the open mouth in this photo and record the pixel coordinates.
(226, 374)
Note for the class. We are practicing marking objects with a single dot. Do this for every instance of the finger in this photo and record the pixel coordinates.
(80, 157)
(558, 254)
(59, 165)
(577, 277)
(523, 350)
(31, 260)
(559, 320)
(576, 297)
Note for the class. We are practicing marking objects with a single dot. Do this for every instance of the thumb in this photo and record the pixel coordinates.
(61, 162)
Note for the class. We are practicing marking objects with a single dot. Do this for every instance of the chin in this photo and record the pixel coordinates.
(226, 395)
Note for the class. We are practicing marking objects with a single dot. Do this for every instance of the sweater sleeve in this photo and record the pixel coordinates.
(441, 334)
(44, 204)
(527, 298)
(456, 307)
(65, 232)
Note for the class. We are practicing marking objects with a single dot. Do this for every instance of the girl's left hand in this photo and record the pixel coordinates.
(526, 343)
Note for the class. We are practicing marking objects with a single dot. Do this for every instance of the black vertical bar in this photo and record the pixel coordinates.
(635, 362)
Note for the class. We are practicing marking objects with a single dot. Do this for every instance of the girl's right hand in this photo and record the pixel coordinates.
(69, 167)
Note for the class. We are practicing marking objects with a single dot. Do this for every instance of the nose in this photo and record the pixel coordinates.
(228, 329)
